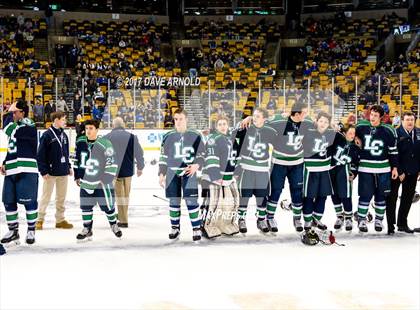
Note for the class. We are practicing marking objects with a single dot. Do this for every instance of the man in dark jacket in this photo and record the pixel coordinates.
(408, 170)
(127, 149)
(49, 108)
(54, 166)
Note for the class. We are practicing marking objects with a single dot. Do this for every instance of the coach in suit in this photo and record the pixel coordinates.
(408, 170)
(127, 151)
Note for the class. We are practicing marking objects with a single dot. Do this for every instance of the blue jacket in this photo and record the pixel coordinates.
(408, 151)
(127, 149)
(50, 153)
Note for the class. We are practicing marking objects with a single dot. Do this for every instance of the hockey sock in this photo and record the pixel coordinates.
(12, 216)
(380, 207)
(271, 208)
(363, 209)
(348, 207)
(243, 207)
(87, 216)
(319, 207)
(261, 208)
(174, 211)
(194, 213)
(338, 206)
(31, 215)
(297, 210)
(308, 209)
(112, 217)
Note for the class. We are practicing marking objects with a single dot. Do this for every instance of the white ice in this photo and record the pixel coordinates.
(144, 270)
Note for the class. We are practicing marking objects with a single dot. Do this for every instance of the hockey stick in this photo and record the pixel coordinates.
(161, 198)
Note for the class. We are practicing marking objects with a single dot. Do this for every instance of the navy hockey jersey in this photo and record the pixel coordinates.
(22, 145)
(221, 156)
(94, 164)
(179, 150)
(379, 147)
(288, 149)
(254, 147)
(345, 153)
(317, 148)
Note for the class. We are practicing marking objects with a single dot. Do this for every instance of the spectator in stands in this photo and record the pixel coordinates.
(20, 20)
(38, 110)
(385, 106)
(168, 120)
(62, 105)
(386, 119)
(370, 91)
(7, 116)
(396, 120)
(68, 80)
(35, 65)
(73, 54)
(48, 15)
(149, 118)
(96, 112)
(77, 105)
(80, 126)
(218, 64)
(60, 56)
(99, 95)
(49, 108)
(387, 68)
(351, 119)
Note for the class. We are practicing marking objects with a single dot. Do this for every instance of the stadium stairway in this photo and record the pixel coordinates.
(197, 109)
(41, 49)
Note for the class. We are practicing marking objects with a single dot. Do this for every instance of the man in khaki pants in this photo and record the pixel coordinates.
(54, 166)
(127, 150)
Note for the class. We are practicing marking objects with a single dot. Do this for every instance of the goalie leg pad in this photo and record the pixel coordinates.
(228, 205)
(210, 224)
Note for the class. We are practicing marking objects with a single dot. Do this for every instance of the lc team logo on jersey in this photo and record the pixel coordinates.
(186, 153)
(374, 146)
(257, 149)
(320, 147)
(90, 165)
(294, 141)
(340, 157)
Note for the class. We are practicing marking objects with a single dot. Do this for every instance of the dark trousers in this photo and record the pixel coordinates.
(408, 190)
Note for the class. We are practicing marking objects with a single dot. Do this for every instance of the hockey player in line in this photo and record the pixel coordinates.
(220, 193)
(317, 148)
(344, 163)
(94, 172)
(254, 168)
(378, 164)
(287, 161)
(21, 173)
(181, 156)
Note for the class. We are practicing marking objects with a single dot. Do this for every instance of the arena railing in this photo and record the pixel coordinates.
(148, 107)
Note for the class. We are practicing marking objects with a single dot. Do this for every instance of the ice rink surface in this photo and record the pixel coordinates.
(144, 270)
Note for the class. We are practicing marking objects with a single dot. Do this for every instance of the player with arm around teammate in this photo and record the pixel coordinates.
(317, 144)
(254, 167)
